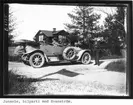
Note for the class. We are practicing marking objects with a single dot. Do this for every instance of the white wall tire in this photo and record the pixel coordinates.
(69, 53)
(86, 58)
(37, 60)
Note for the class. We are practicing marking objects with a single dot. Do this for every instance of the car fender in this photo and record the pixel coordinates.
(80, 53)
(37, 50)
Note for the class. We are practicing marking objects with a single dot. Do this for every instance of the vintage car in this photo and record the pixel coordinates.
(51, 53)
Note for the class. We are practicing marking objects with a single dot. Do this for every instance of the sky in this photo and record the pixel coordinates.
(32, 18)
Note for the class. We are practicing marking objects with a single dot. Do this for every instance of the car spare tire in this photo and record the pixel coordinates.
(69, 53)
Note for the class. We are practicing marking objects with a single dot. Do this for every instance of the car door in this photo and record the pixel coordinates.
(52, 50)
(58, 50)
(47, 49)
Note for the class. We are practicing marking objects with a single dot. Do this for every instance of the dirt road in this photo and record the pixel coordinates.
(74, 79)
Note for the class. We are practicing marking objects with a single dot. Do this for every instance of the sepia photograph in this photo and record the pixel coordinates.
(69, 50)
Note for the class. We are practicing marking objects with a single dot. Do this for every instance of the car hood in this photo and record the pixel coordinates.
(30, 49)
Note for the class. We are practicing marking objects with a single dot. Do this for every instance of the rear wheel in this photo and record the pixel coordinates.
(37, 60)
(86, 58)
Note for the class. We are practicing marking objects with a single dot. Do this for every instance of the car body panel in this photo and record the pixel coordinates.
(30, 49)
(29, 52)
(80, 53)
(51, 50)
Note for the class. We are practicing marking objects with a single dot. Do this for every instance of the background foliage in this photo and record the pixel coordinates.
(84, 29)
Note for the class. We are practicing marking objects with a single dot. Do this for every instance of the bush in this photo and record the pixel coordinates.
(18, 84)
(11, 50)
(12, 56)
(118, 66)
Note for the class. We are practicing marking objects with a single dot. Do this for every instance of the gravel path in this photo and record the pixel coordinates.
(74, 79)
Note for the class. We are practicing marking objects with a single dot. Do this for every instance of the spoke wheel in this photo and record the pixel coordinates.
(37, 60)
(86, 58)
(69, 53)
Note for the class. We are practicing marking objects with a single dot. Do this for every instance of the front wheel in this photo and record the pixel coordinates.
(86, 58)
(37, 60)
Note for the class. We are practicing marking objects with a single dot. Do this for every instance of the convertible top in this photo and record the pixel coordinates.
(26, 42)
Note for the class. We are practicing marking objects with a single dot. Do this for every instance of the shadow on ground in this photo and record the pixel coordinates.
(62, 63)
(63, 72)
(35, 79)
(20, 84)
(21, 78)
(66, 63)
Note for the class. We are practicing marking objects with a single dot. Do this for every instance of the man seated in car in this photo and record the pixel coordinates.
(55, 42)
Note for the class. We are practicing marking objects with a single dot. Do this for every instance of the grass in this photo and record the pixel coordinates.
(111, 57)
(72, 87)
(18, 84)
(118, 66)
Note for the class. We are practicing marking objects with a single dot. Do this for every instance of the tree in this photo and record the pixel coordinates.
(73, 38)
(84, 22)
(120, 23)
(9, 24)
(115, 30)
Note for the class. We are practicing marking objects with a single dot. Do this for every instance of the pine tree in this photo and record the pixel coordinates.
(84, 22)
(9, 23)
(119, 20)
